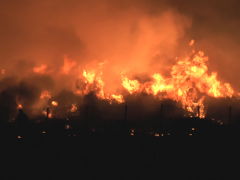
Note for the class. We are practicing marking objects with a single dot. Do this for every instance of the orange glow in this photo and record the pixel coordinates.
(118, 98)
(131, 85)
(159, 84)
(73, 108)
(45, 95)
(191, 43)
(40, 69)
(89, 76)
(188, 82)
(47, 114)
(68, 65)
(50, 115)
(2, 71)
(54, 103)
(19, 106)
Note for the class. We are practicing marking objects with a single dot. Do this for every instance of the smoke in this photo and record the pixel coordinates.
(215, 27)
(121, 33)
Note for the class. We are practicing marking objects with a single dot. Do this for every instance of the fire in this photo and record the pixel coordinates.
(191, 43)
(45, 95)
(73, 108)
(189, 82)
(132, 86)
(19, 106)
(40, 69)
(118, 98)
(94, 82)
(47, 114)
(159, 84)
(89, 77)
(189, 78)
(54, 103)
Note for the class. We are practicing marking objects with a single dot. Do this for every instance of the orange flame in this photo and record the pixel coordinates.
(54, 103)
(188, 82)
(131, 85)
(45, 95)
(73, 108)
(118, 98)
(19, 106)
(47, 114)
(40, 69)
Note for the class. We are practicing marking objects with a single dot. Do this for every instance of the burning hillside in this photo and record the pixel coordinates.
(189, 83)
(109, 53)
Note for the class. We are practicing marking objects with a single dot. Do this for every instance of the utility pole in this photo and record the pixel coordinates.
(229, 114)
(125, 116)
(47, 113)
(198, 111)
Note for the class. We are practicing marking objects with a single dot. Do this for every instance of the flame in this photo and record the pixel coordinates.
(132, 86)
(47, 114)
(73, 108)
(94, 82)
(40, 69)
(191, 43)
(160, 84)
(118, 98)
(189, 82)
(19, 106)
(45, 95)
(54, 103)
(89, 77)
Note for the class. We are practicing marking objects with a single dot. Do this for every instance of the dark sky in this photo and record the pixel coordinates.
(35, 32)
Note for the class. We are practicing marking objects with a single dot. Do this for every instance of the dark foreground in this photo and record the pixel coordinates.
(101, 155)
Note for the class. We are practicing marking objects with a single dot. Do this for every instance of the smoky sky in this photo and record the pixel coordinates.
(36, 32)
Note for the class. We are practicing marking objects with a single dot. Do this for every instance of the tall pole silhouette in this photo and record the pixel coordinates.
(230, 114)
(87, 118)
(160, 124)
(198, 111)
(47, 113)
(125, 115)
